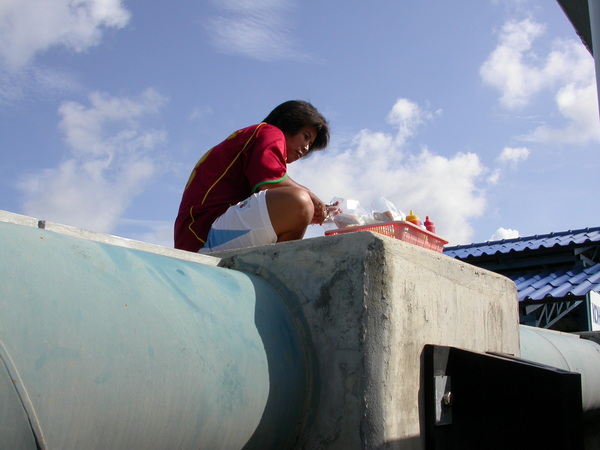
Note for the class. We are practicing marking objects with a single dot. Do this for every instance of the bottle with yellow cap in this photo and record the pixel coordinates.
(413, 218)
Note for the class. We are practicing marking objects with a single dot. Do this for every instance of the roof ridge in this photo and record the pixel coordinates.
(524, 238)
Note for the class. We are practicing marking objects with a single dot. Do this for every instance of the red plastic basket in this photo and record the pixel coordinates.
(403, 231)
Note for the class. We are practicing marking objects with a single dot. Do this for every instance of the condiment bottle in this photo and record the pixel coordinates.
(413, 218)
(429, 225)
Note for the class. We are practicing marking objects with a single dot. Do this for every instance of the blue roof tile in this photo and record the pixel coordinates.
(555, 239)
(558, 283)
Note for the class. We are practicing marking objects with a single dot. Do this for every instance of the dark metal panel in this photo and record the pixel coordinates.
(498, 402)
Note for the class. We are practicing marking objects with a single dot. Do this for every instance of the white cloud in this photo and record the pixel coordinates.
(199, 113)
(504, 233)
(32, 26)
(407, 116)
(519, 73)
(84, 127)
(579, 105)
(157, 232)
(161, 234)
(110, 161)
(494, 177)
(505, 68)
(379, 164)
(509, 158)
(35, 83)
(513, 155)
(256, 29)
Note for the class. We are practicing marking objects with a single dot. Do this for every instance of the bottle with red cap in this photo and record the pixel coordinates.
(429, 225)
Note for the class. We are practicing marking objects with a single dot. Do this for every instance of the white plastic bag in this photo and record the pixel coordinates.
(385, 211)
(351, 213)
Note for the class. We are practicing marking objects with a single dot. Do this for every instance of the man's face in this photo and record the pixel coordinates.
(298, 145)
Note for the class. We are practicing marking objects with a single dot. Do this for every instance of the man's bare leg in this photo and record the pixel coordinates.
(291, 211)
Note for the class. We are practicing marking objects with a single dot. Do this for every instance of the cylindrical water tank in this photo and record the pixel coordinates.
(567, 352)
(108, 347)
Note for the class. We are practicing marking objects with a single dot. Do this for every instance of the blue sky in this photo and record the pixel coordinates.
(481, 114)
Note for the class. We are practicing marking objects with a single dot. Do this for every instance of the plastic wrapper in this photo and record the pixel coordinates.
(385, 211)
(349, 213)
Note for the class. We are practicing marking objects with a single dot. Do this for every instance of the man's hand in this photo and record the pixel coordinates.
(320, 210)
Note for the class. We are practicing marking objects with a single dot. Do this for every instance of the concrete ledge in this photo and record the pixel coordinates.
(371, 303)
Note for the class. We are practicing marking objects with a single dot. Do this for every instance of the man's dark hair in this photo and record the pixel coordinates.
(293, 115)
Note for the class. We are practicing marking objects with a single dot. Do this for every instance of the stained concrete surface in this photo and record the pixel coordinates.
(370, 303)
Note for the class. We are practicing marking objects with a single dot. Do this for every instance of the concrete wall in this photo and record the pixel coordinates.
(370, 304)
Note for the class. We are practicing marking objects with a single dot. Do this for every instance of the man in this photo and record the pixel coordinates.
(239, 194)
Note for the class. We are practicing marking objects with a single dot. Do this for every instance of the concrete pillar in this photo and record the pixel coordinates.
(371, 303)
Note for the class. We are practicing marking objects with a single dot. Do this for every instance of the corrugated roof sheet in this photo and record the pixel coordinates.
(556, 239)
(555, 284)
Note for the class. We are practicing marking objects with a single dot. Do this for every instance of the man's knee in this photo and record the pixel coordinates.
(301, 203)
(290, 209)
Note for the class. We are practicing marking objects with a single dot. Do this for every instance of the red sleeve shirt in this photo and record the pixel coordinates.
(227, 174)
